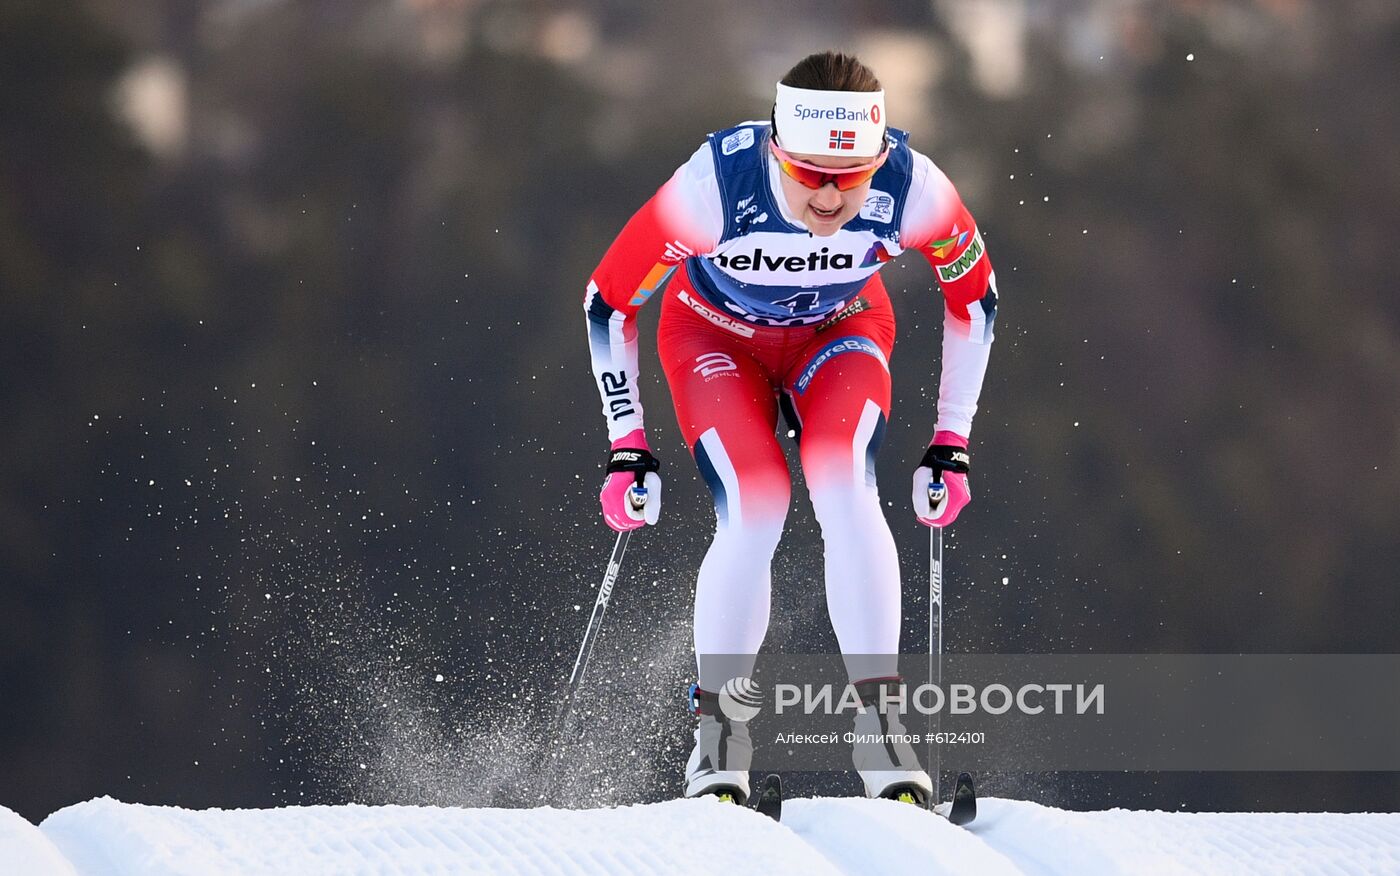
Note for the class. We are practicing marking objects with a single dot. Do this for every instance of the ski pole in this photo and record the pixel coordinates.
(637, 497)
(600, 607)
(936, 491)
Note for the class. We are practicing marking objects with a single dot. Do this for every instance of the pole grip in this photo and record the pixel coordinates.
(937, 492)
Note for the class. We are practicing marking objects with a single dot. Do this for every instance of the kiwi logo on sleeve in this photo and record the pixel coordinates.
(964, 262)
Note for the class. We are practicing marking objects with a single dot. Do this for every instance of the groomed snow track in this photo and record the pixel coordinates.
(817, 837)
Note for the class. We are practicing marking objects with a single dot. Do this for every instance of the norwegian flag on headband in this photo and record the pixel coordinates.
(842, 140)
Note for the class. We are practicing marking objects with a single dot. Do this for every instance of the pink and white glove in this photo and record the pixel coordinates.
(631, 494)
(946, 457)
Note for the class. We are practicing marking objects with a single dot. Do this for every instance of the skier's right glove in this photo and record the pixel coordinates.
(631, 494)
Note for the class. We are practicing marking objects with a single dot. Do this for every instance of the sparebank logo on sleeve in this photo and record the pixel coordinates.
(736, 141)
(963, 263)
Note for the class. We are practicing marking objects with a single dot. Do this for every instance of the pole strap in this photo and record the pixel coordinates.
(947, 457)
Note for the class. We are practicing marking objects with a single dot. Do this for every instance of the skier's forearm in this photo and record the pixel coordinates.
(612, 344)
(684, 217)
(965, 357)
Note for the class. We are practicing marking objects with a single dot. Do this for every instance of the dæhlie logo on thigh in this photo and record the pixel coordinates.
(711, 365)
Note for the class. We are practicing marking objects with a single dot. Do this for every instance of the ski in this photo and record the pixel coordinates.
(770, 797)
(963, 810)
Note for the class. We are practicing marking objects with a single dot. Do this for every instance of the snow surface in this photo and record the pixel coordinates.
(817, 837)
(25, 849)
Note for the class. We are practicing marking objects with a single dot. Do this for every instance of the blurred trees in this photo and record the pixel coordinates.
(322, 342)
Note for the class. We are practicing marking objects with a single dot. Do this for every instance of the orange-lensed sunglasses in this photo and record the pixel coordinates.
(814, 176)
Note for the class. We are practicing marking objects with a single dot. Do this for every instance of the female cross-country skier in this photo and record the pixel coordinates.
(772, 237)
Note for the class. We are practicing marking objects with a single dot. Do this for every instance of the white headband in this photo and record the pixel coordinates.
(844, 123)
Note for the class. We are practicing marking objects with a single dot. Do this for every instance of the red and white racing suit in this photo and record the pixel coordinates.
(756, 309)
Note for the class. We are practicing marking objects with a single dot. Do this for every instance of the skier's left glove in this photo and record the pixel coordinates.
(631, 495)
(946, 460)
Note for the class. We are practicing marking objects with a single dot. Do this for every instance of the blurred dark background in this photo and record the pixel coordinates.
(300, 446)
